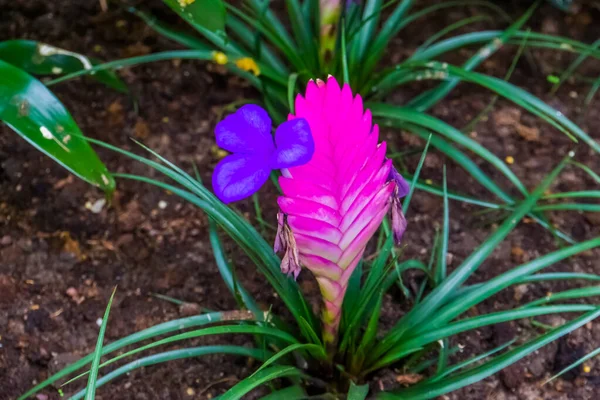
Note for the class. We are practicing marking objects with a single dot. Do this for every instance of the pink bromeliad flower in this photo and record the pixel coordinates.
(333, 204)
(337, 183)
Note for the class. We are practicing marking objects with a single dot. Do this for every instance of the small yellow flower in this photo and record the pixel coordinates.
(248, 64)
(220, 58)
(510, 160)
(184, 3)
(586, 369)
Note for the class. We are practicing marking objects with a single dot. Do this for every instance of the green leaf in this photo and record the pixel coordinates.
(424, 311)
(262, 377)
(477, 294)
(371, 331)
(32, 111)
(228, 275)
(433, 335)
(169, 32)
(209, 14)
(90, 389)
(429, 390)
(441, 268)
(358, 392)
(190, 352)
(318, 351)
(575, 364)
(237, 227)
(43, 59)
(295, 392)
(427, 99)
(149, 333)
(214, 330)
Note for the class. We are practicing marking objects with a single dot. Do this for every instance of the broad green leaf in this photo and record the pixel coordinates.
(32, 111)
(43, 59)
(207, 13)
(358, 392)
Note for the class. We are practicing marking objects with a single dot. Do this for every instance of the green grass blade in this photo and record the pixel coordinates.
(344, 50)
(268, 18)
(473, 169)
(441, 270)
(33, 112)
(191, 352)
(300, 26)
(264, 376)
(415, 178)
(432, 336)
(431, 390)
(566, 74)
(169, 32)
(426, 100)
(291, 91)
(578, 293)
(43, 59)
(238, 228)
(450, 28)
(438, 296)
(318, 351)
(560, 276)
(149, 333)
(515, 275)
(228, 275)
(90, 389)
(534, 39)
(575, 364)
(587, 170)
(398, 20)
(410, 116)
(362, 40)
(215, 330)
(133, 61)
(522, 98)
(288, 48)
(595, 194)
(257, 47)
(452, 369)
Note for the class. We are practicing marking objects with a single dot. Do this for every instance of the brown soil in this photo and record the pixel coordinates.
(59, 261)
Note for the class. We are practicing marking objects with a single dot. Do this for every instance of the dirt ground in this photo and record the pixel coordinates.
(59, 261)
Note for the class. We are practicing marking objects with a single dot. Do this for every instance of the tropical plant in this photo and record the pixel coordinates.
(350, 40)
(337, 186)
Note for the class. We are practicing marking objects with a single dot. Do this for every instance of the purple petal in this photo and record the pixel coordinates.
(295, 145)
(401, 185)
(248, 130)
(238, 176)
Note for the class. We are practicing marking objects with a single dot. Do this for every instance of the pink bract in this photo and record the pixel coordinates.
(332, 205)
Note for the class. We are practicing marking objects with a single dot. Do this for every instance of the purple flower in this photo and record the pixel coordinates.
(247, 134)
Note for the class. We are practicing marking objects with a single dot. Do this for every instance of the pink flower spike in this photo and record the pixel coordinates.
(332, 205)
